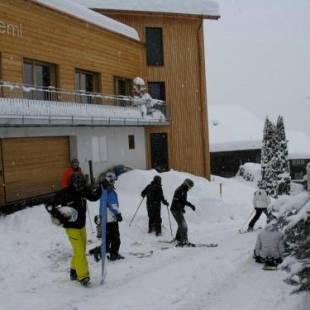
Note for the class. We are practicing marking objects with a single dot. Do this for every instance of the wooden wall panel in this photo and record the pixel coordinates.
(70, 43)
(183, 74)
(34, 166)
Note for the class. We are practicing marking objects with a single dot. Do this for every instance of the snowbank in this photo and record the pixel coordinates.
(35, 256)
(250, 172)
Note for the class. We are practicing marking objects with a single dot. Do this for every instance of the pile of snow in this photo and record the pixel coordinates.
(193, 7)
(35, 255)
(81, 12)
(250, 172)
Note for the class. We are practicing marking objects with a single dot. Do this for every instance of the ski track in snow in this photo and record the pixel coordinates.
(34, 270)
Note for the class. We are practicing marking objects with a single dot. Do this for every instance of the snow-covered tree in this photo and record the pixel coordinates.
(267, 159)
(282, 163)
(274, 159)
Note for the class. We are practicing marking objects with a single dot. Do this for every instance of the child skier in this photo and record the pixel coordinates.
(261, 201)
(178, 209)
(154, 198)
(114, 216)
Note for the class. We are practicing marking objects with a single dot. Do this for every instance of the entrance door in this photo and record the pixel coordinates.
(159, 151)
(2, 188)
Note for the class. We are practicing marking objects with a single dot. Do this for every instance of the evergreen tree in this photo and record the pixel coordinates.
(267, 159)
(282, 163)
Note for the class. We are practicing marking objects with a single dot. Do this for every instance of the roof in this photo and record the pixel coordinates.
(233, 128)
(205, 8)
(81, 12)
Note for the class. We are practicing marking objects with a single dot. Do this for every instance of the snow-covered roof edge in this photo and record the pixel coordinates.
(205, 8)
(81, 12)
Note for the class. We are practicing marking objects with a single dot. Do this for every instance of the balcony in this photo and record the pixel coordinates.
(28, 106)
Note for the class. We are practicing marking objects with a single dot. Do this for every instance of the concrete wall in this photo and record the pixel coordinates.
(106, 146)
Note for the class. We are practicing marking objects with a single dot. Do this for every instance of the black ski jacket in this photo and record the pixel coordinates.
(76, 200)
(179, 200)
(154, 194)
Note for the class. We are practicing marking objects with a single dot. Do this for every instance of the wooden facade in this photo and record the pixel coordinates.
(69, 43)
(184, 75)
(33, 33)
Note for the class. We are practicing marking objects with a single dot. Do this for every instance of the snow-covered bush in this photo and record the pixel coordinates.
(250, 172)
(294, 220)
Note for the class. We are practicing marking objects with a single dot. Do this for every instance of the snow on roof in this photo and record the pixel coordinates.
(233, 128)
(79, 11)
(192, 7)
(298, 145)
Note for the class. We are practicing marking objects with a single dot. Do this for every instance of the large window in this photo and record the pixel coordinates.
(40, 75)
(86, 83)
(122, 87)
(157, 90)
(154, 46)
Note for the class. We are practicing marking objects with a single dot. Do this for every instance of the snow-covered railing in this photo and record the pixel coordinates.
(33, 106)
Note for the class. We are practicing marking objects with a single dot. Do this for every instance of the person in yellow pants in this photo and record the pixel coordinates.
(69, 208)
(78, 240)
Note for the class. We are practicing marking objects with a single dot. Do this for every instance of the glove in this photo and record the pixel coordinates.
(119, 217)
(193, 207)
(166, 203)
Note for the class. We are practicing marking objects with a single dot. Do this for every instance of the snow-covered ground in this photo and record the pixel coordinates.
(35, 256)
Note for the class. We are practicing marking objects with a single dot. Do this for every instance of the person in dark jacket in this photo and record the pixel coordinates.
(154, 197)
(74, 197)
(178, 209)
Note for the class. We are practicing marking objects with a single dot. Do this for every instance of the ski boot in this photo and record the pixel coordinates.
(85, 282)
(97, 253)
(73, 275)
(190, 245)
(114, 257)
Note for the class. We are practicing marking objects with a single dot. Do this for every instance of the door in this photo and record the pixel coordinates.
(33, 166)
(2, 187)
(159, 151)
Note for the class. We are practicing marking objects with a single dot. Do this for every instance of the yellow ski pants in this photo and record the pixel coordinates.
(78, 239)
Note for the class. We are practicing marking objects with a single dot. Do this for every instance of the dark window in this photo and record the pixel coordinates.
(122, 87)
(86, 83)
(131, 142)
(154, 46)
(157, 90)
(41, 75)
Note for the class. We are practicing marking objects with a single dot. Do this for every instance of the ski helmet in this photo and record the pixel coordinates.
(78, 181)
(157, 179)
(75, 163)
(110, 177)
(189, 183)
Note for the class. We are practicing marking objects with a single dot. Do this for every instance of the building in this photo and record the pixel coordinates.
(173, 66)
(66, 75)
(236, 138)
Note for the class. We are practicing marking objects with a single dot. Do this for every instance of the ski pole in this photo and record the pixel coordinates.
(136, 212)
(247, 221)
(170, 222)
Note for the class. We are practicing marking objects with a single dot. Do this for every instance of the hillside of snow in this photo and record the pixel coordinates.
(35, 256)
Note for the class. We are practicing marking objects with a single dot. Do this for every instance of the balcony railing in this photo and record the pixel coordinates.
(22, 105)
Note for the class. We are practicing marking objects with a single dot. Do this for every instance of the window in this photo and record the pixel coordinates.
(154, 46)
(131, 142)
(41, 75)
(122, 87)
(157, 90)
(86, 83)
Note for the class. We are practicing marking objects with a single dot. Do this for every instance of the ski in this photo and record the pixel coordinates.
(191, 245)
(103, 217)
(142, 254)
(269, 268)
(244, 231)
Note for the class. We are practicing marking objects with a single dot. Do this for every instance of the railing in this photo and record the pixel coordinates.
(39, 106)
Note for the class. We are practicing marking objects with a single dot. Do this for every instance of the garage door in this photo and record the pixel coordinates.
(33, 166)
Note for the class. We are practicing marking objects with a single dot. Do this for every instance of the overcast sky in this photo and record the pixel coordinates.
(258, 56)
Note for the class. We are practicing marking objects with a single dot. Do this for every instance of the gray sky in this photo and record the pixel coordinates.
(258, 56)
